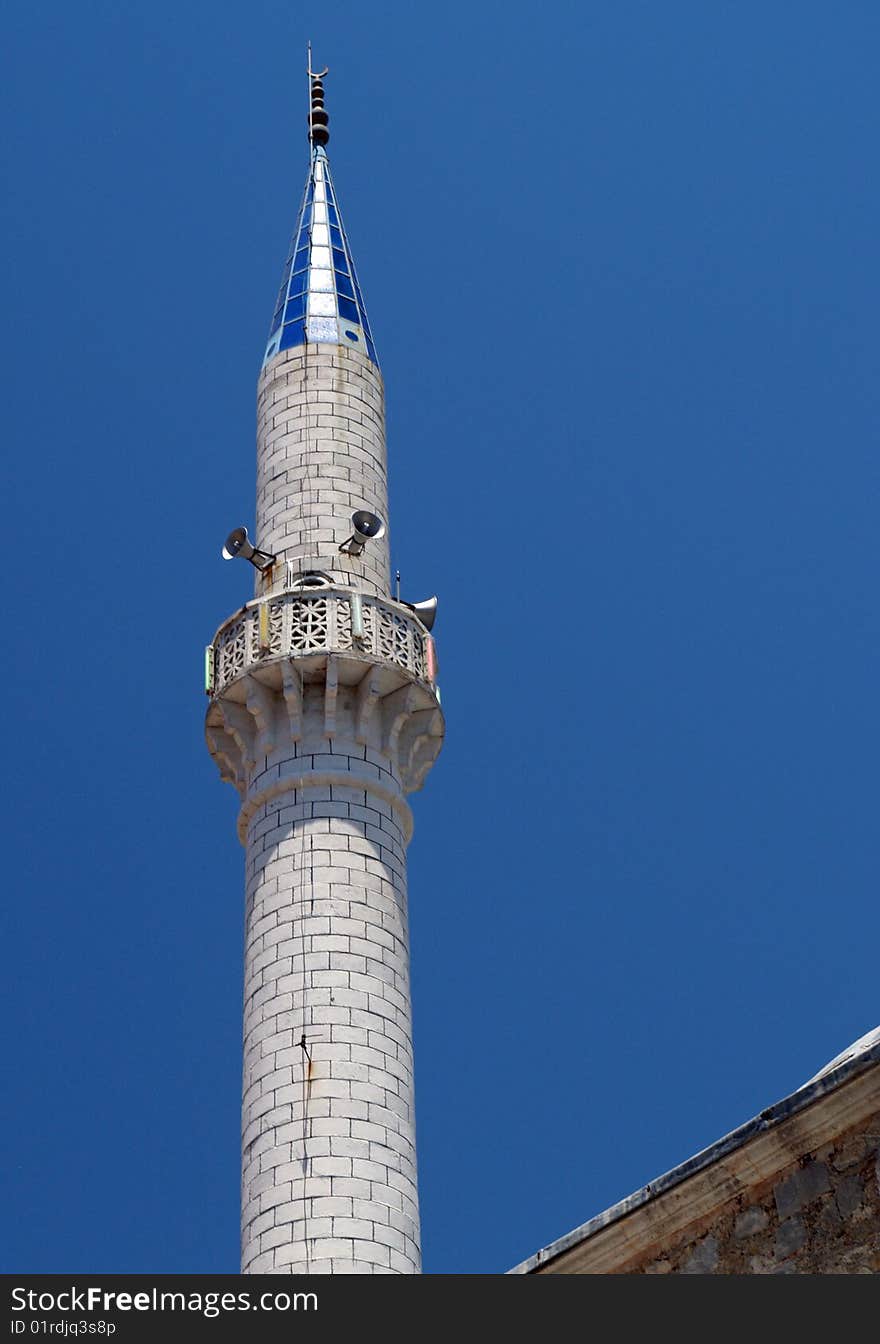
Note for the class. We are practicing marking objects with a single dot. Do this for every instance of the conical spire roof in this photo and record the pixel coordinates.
(320, 298)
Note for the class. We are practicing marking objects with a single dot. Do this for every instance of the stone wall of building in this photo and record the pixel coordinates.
(821, 1215)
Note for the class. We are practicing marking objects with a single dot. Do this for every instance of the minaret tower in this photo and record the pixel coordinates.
(324, 713)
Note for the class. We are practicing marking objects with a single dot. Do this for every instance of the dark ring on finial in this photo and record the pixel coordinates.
(318, 118)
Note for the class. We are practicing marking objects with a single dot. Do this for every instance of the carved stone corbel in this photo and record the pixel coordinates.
(261, 704)
(396, 709)
(240, 726)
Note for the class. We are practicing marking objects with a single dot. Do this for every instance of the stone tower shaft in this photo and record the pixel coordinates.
(324, 714)
(320, 457)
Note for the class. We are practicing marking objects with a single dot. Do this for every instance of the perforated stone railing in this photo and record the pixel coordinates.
(298, 624)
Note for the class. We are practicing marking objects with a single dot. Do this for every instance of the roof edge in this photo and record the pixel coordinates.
(794, 1103)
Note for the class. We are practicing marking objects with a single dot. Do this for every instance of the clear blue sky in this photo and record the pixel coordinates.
(621, 260)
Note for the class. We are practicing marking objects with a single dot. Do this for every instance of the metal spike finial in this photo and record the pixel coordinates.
(319, 121)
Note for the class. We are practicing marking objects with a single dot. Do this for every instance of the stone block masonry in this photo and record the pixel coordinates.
(320, 457)
(820, 1216)
(323, 749)
(328, 1165)
(324, 714)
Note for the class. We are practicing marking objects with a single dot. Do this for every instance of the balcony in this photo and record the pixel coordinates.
(308, 626)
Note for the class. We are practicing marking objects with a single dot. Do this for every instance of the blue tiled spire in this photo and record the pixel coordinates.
(320, 298)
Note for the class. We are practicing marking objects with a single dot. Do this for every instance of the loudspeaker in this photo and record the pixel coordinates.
(237, 547)
(367, 525)
(426, 611)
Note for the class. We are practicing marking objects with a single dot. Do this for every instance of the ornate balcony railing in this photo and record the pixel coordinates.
(326, 620)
